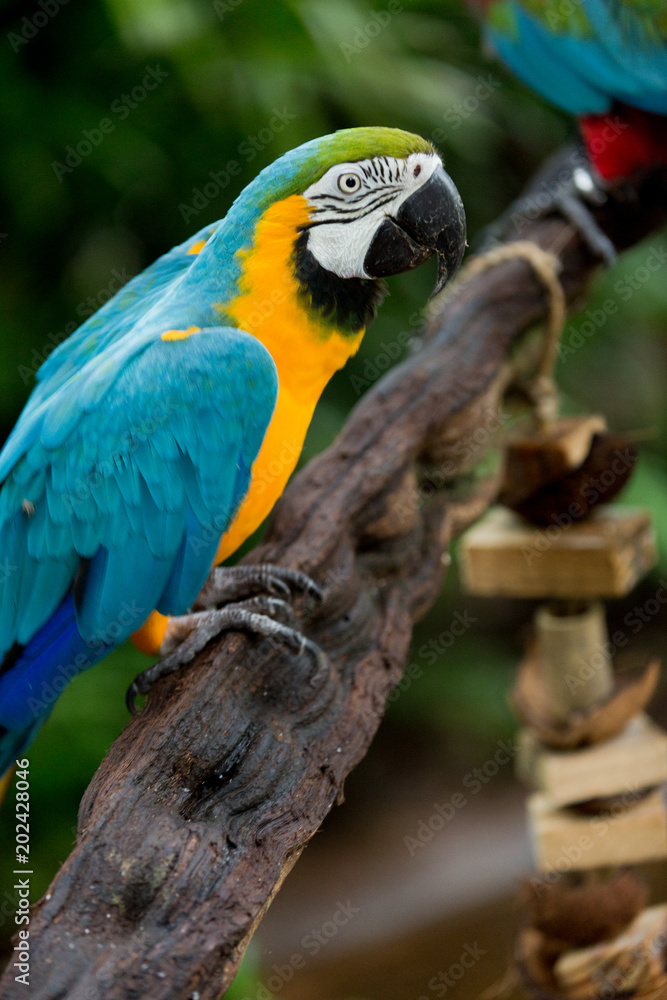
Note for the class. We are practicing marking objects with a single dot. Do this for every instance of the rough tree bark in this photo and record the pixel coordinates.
(204, 802)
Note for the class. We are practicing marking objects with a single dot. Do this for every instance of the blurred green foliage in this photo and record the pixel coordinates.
(70, 233)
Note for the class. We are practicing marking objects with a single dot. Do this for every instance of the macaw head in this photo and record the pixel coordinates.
(364, 203)
(383, 204)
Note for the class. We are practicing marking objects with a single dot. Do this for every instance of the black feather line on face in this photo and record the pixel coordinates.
(349, 304)
(350, 213)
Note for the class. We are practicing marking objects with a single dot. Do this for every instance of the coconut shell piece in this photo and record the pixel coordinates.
(603, 474)
(565, 469)
(632, 692)
(584, 913)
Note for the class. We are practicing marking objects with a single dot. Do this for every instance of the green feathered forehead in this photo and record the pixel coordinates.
(365, 143)
(352, 144)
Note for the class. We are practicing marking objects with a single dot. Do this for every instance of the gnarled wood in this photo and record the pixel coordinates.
(205, 801)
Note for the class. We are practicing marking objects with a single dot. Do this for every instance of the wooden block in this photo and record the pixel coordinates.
(540, 457)
(603, 556)
(563, 840)
(632, 959)
(634, 759)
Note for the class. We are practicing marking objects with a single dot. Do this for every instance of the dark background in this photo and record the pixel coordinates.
(71, 233)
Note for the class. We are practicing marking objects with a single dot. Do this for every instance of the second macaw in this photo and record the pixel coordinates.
(604, 61)
(160, 434)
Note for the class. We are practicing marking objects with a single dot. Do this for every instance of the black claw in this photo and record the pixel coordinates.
(577, 213)
(300, 581)
(271, 607)
(131, 696)
(320, 660)
(278, 587)
(315, 592)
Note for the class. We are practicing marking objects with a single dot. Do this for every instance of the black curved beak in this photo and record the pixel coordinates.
(432, 220)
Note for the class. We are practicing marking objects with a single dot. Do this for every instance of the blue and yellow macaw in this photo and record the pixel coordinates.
(604, 61)
(161, 433)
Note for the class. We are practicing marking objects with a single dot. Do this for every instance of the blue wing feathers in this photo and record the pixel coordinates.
(12, 546)
(126, 477)
(198, 547)
(46, 580)
(111, 578)
(127, 485)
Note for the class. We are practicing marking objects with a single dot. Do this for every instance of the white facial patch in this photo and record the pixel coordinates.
(350, 202)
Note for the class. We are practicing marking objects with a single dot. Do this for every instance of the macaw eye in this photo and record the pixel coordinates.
(349, 183)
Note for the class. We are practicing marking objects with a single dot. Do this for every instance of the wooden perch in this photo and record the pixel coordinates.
(204, 802)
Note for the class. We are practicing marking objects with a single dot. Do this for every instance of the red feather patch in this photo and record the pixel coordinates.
(625, 140)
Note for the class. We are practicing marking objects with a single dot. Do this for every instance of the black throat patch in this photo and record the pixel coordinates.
(349, 304)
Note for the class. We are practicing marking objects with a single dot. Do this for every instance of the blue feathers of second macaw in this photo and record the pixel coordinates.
(603, 52)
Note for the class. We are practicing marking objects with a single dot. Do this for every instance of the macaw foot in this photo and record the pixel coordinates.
(573, 200)
(565, 186)
(187, 634)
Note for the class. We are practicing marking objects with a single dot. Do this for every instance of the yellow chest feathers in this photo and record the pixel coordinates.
(305, 352)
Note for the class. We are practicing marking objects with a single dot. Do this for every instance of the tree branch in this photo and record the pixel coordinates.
(205, 801)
